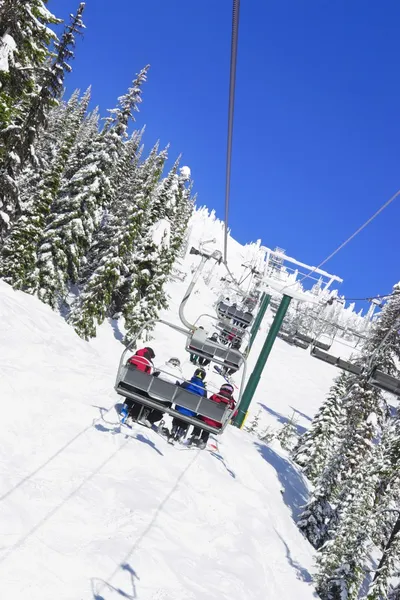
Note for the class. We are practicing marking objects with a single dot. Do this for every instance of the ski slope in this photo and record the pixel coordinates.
(93, 511)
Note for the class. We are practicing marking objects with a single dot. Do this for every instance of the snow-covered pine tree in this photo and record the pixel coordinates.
(313, 521)
(51, 84)
(170, 213)
(24, 49)
(252, 426)
(394, 593)
(85, 193)
(30, 18)
(288, 433)
(18, 263)
(355, 476)
(362, 402)
(388, 566)
(115, 242)
(149, 175)
(315, 447)
(342, 560)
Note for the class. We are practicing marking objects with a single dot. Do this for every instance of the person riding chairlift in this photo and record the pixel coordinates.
(200, 436)
(170, 371)
(142, 361)
(197, 386)
(206, 361)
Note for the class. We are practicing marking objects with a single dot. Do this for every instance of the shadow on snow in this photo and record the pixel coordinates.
(98, 585)
(282, 419)
(222, 460)
(116, 428)
(295, 493)
(301, 414)
(119, 336)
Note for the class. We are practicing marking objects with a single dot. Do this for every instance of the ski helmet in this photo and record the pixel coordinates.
(200, 373)
(175, 361)
(227, 387)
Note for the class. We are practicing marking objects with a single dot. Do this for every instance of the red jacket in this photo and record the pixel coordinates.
(223, 397)
(142, 361)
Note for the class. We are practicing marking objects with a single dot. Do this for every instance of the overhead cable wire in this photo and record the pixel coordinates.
(349, 239)
(231, 110)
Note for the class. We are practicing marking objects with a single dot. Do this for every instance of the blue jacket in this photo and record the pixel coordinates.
(196, 386)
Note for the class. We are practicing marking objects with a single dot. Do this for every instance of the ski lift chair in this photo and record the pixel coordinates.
(226, 330)
(385, 382)
(303, 338)
(152, 392)
(336, 361)
(222, 309)
(286, 336)
(301, 343)
(321, 345)
(198, 344)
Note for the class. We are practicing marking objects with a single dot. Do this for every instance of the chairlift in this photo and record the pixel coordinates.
(345, 365)
(152, 392)
(303, 338)
(300, 343)
(198, 343)
(385, 382)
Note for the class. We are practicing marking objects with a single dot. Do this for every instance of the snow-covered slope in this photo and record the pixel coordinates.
(93, 511)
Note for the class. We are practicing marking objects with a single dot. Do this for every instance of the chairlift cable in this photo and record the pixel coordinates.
(231, 110)
(349, 239)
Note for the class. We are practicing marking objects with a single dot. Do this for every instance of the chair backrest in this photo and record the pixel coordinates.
(329, 358)
(385, 382)
(211, 350)
(164, 391)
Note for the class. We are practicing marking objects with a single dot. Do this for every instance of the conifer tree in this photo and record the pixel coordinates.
(170, 212)
(315, 447)
(77, 212)
(114, 245)
(19, 253)
(388, 566)
(45, 87)
(288, 433)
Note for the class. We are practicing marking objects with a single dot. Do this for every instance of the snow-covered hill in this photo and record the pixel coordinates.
(93, 511)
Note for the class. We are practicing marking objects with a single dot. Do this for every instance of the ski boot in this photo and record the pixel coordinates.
(162, 430)
(197, 441)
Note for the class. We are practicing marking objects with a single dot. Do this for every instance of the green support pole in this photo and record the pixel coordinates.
(265, 300)
(262, 359)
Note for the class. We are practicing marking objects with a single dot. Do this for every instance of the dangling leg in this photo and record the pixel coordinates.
(195, 435)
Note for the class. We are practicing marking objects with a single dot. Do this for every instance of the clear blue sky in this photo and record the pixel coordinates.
(317, 122)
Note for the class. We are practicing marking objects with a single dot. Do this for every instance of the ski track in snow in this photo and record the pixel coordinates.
(92, 510)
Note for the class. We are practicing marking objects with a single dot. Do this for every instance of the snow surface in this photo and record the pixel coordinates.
(93, 511)
(185, 172)
(160, 233)
(7, 49)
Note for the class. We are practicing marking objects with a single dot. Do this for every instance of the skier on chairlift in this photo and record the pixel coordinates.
(206, 361)
(143, 361)
(199, 436)
(170, 371)
(197, 386)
